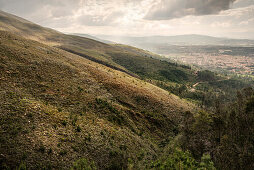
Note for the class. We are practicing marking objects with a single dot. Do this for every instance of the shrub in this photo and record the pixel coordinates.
(74, 120)
(83, 164)
(80, 89)
(183, 160)
(64, 122)
(78, 129)
(63, 152)
(206, 162)
(22, 166)
(42, 149)
(50, 151)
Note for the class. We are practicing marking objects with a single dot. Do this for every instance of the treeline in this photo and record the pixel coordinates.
(207, 88)
(226, 134)
(222, 139)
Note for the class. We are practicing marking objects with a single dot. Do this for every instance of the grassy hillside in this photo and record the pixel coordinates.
(115, 56)
(51, 37)
(57, 107)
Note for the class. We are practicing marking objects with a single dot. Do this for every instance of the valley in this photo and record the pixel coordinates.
(221, 59)
(217, 54)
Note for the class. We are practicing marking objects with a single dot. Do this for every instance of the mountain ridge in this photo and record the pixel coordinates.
(188, 39)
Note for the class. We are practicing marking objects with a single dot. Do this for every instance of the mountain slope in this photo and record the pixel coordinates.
(51, 37)
(57, 107)
(113, 56)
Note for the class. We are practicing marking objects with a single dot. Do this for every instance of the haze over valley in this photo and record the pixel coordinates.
(217, 54)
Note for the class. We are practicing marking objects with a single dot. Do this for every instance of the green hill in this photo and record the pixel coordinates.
(57, 107)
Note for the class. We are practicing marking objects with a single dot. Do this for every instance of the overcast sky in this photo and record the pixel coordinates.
(222, 18)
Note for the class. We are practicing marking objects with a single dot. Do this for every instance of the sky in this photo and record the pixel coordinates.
(220, 18)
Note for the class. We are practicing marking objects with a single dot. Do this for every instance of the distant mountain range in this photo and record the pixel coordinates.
(191, 39)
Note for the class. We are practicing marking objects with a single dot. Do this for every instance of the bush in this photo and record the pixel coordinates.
(22, 166)
(83, 164)
(78, 129)
(206, 162)
(64, 122)
(42, 149)
(63, 152)
(183, 160)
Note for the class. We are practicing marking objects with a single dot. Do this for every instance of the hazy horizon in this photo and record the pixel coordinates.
(159, 35)
(217, 18)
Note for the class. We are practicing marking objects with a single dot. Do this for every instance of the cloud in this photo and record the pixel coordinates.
(242, 3)
(170, 9)
(100, 20)
(54, 8)
(126, 17)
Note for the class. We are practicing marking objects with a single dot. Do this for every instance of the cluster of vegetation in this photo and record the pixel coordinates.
(208, 88)
(179, 159)
(226, 133)
(151, 68)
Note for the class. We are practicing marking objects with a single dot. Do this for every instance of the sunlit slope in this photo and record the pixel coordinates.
(57, 107)
(27, 29)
